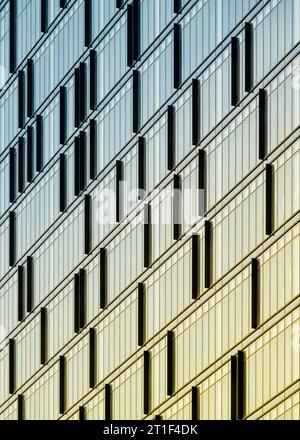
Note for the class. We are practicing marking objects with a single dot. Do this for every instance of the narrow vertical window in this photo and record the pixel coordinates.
(21, 164)
(82, 92)
(235, 86)
(39, 143)
(195, 111)
(76, 166)
(141, 314)
(77, 97)
(12, 175)
(171, 137)
(93, 149)
(21, 98)
(177, 207)
(62, 183)
(240, 385)
(158, 417)
(233, 387)
(43, 319)
(87, 224)
(141, 167)
(93, 79)
(20, 407)
(92, 347)
(207, 256)
(136, 100)
(30, 87)
(87, 22)
(62, 384)
(12, 365)
(103, 278)
(44, 15)
(254, 293)
(195, 266)
(201, 183)
(147, 235)
(62, 115)
(176, 6)
(82, 297)
(76, 303)
(29, 283)
(136, 29)
(177, 55)
(12, 238)
(108, 402)
(81, 413)
(195, 404)
(262, 137)
(129, 35)
(170, 363)
(63, 4)
(248, 57)
(82, 160)
(146, 382)
(12, 35)
(269, 199)
(20, 293)
(30, 154)
(119, 4)
(119, 191)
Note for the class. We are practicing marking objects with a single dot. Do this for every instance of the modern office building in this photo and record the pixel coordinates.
(150, 209)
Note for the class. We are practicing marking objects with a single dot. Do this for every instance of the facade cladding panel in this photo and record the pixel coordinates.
(150, 209)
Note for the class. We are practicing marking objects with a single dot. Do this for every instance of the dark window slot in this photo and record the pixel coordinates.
(82, 160)
(170, 363)
(21, 98)
(177, 208)
(269, 199)
(233, 373)
(108, 402)
(201, 183)
(62, 384)
(177, 6)
(146, 382)
(20, 293)
(77, 166)
(81, 413)
(82, 297)
(119, 191)
(103, 278)
(171, 137)
(93, 149)
(76, 303)
(141, 314)
(12, 35)
(30, 88)
(240, 385)
(195, 404)
(136, 29)
(129, 35)
(12, 175)
(77, 97)
(30, 154)
(62, 114)
(29, 283)
(43, 317)
(248, 57)
(82, 92)
(93, 79)
(39, 143)
(262, 117)
(207, 252)
(195, 266)
(141, 167)
(254, 293)
(87, 22)
(44, 15)
(177, 55)
(12, 238)
(21, 164)
(92, 336)
(235, 84)
(195, 111)
(147, 235)
(87, 224)
(20, 407)
(136, 100)
(62, 182)
(12, 365)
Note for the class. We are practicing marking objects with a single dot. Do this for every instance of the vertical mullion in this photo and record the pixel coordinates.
(146, 382)
(129, 35)
(12, 175)
(107, 409)
(62, 384)
(21, 153)
(207, 252)
(248, 57)
(233, 386)
(12, 35)
(39, 143)
(82, 297)
(92, 356)
(93, 149)
(141, 168)
(141, 314)
(119, 191)
(262, 117)
(93, 79)
(12, 238)
(44, 15)
(234, 71)
(21, 98)
(195, 266)
(82, 160)
(103, 278)
(43, 318)
(87, 223)
(77, 97)
(135, 100)
(82, 91)
(177, 214)
(87, 23)
(62, 114)
(12, 365)
(170, 363)
(62, 183)
(195, 111)
(171, 137)
(29, 283)
(30, 155)
(269, 202)
(76, 303)
(20, 293)
(254, 293)
(195, 403)
(240, 385)
(177, 56)
(30, 87)
(147, 235)
(20, 407)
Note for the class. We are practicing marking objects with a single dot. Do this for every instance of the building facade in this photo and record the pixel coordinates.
(149, 209)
